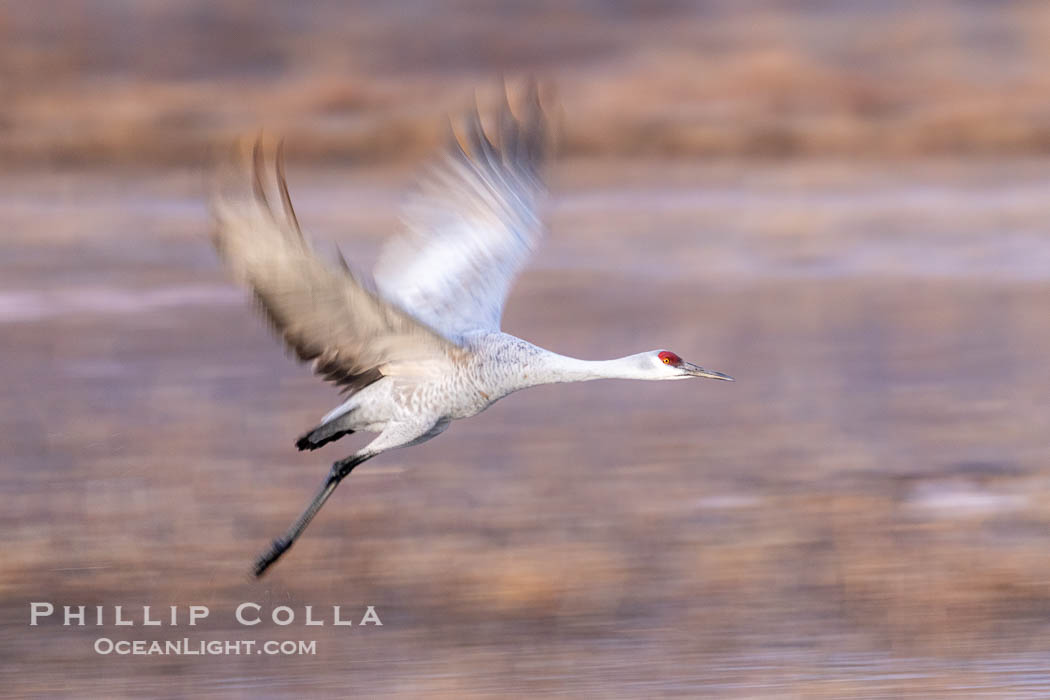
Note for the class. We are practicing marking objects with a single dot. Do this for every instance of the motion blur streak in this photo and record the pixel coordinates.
(843, 204)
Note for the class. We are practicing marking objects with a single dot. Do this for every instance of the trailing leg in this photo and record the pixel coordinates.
(280, 545)
(394, 435)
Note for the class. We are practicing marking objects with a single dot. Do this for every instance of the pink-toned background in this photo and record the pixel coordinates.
(844, 205)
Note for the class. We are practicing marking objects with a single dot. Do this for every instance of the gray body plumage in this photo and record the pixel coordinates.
(461, 386)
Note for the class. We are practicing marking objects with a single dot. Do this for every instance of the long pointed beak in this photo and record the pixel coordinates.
(698, 371)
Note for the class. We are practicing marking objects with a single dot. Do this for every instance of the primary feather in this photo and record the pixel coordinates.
(324, 313)
(471, 227)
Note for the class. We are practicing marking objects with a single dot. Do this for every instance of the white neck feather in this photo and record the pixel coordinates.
(550, 368)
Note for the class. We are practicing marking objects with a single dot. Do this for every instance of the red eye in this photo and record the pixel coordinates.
(669, 358)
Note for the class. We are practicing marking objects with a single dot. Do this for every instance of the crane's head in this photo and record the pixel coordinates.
(671, 366)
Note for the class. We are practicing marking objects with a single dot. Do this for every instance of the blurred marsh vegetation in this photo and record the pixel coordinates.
(843, 204)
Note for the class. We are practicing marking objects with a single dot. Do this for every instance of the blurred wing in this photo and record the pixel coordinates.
(323, 313)
(471, 227)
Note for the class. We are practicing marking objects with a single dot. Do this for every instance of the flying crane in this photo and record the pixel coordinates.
(420, 344)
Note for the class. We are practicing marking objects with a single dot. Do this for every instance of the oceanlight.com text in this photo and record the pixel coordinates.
(201, 647)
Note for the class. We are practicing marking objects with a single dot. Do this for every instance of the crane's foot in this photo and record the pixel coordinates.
(277, 548)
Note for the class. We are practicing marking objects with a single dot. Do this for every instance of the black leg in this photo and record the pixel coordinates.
(339, 471)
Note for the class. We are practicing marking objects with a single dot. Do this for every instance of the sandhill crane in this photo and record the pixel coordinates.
(420, 345)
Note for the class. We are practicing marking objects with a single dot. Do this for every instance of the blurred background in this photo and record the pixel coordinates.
(842, 204)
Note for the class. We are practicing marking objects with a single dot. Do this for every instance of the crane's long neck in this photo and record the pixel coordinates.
(548, 368)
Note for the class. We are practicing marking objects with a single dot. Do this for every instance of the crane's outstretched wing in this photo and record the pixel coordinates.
(323, 313)
(471, 227)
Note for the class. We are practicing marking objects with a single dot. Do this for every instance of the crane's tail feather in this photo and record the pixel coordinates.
(321, 435)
